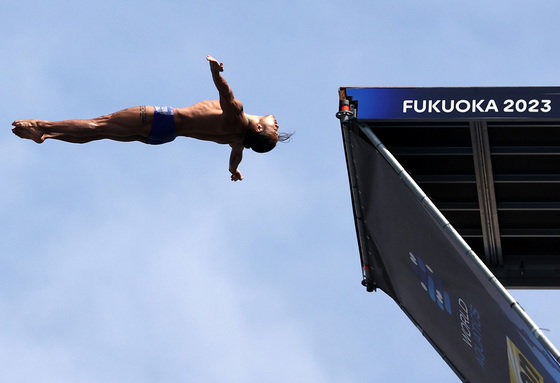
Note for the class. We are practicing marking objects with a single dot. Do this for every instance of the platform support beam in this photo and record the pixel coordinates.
(486, 193)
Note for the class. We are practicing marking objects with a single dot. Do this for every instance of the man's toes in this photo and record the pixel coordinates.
(18, 131)
(21, 123)
(29, 133)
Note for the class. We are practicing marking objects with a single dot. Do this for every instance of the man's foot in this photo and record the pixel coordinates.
(30, 129)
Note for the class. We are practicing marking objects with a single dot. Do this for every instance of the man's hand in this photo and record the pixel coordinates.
(236, 176)
(234, 160)
(214, 64)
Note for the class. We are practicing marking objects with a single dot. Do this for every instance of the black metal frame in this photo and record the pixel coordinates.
(497, 181)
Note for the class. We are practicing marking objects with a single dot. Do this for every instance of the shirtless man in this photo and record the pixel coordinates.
(222, 121)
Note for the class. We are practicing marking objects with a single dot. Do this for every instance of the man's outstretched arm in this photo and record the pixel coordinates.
(234, 160)
(227, 101)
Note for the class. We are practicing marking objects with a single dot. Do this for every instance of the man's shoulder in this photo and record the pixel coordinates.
(204, 103)
(234, 105)
(233, 110)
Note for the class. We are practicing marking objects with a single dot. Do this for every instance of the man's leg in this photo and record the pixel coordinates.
(83, 140)
(132, 124)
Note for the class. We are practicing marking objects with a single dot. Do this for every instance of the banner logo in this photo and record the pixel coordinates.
(471, 330)
(520, 369)
(431, 283)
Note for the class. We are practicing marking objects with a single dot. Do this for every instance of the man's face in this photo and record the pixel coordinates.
(270, 125)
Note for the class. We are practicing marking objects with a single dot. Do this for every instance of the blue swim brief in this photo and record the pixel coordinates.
(163, 126)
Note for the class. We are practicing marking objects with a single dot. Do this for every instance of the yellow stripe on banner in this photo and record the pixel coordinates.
(520, 369)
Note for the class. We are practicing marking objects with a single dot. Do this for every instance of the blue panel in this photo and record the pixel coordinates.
(456, 103)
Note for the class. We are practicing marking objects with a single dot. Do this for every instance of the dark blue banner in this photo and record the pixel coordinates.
(456, 103)
(410, 251)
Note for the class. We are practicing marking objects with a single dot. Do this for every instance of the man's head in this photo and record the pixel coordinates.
(263, 135)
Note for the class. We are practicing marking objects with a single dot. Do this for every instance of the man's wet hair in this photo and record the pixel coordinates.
(262, 142)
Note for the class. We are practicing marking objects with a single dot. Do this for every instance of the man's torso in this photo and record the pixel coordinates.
(206, 121)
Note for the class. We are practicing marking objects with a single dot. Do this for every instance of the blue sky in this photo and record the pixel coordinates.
(123, 262)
